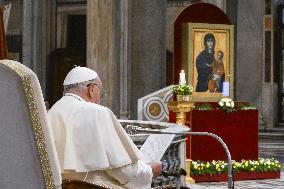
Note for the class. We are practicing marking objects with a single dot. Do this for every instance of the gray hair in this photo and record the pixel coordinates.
(77, 87)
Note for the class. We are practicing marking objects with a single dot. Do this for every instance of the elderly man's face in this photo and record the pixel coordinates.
(96, 91)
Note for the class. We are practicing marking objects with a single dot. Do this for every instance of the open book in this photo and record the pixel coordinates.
(155, 146)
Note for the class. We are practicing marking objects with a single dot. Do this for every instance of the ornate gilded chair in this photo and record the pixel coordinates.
(27, 153)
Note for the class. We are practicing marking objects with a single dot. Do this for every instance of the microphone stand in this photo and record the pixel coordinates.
(135, 129)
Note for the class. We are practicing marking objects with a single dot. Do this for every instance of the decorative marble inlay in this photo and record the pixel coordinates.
(153, 106)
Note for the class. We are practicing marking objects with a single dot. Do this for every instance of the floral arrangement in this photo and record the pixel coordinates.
(226, 104)
(184, 89)
(217, 167)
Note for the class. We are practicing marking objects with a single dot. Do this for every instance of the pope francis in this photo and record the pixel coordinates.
(90, 142)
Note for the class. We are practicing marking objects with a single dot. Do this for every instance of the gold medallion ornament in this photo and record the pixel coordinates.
(155, 109)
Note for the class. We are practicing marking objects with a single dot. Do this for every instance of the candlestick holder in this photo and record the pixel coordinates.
(181, 108)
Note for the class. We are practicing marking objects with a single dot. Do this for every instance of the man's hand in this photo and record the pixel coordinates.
(156, 168)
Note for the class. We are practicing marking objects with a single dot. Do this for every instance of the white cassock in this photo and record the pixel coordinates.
(92, 145)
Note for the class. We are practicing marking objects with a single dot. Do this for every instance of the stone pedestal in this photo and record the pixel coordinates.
(181, 108)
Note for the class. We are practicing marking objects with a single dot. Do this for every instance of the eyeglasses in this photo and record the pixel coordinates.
(103, 94)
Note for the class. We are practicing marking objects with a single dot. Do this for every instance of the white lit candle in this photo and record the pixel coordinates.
(182, 78)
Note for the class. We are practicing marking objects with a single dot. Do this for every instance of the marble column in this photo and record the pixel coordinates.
(103, 44)
(124, 61)
(249, 54)
(147, 49)
(38, 36)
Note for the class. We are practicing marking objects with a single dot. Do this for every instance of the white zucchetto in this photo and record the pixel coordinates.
(79, 75)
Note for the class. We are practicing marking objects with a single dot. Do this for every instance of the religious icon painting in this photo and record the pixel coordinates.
(207, 58)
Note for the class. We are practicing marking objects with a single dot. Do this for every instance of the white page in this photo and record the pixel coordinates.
(155, 146)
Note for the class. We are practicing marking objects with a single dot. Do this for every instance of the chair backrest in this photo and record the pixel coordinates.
(27, 153)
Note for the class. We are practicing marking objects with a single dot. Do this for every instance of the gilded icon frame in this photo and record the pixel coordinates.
(193, 45)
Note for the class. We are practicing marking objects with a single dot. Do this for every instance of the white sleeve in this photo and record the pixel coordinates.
(134, 176)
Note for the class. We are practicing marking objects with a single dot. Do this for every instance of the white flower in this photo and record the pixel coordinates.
(228, 104)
